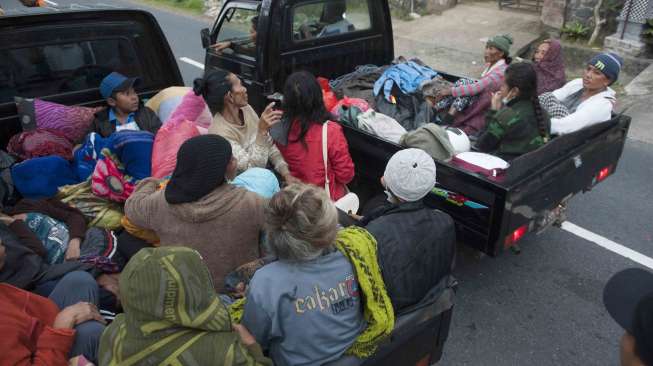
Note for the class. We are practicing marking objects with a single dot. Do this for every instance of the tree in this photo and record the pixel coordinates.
(598, 23)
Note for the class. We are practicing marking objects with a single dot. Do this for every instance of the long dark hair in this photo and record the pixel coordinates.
(302, 102)
(522, 75)
(213, 87)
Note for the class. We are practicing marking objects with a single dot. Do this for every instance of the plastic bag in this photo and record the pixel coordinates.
(329, 97)
(347, 102)
(166, 145)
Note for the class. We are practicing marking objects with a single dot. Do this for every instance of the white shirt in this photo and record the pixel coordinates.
(593, 110)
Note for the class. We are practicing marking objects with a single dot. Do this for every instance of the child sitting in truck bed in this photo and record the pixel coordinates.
(516, 124)
(125, 111)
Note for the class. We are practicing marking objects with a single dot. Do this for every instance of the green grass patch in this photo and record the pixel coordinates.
(195, 6)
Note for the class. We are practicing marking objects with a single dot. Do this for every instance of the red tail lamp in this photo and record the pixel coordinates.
(516, 235)
(603, 173)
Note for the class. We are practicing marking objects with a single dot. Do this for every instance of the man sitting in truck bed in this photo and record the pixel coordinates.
(585, 101)
(416, 244)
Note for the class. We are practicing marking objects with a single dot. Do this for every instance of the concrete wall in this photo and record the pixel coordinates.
(553, 12)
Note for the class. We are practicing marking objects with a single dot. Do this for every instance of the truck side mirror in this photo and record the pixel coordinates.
(206, 37)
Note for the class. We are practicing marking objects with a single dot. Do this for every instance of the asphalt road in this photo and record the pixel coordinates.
(543, 306)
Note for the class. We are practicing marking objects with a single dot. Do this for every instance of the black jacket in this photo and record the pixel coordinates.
(145, 118)
(23, 267)
(416, 249)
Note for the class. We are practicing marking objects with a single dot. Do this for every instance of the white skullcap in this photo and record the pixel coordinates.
(410, 174)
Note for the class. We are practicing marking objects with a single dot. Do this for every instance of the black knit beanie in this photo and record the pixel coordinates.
(201, 165)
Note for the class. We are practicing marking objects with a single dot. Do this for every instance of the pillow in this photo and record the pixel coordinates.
(167, 142)
(39, 143)
(53, 172)
(154, 103)
(73, 121)
(192, 108)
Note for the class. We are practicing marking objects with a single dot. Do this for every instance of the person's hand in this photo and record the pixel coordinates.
(442, 93)
(77, 314)
(497, 101)
(220, 46)
(290, 179)
(73, 251)
(269, 118)
(355, 217)
(6, 219)
(245, 336)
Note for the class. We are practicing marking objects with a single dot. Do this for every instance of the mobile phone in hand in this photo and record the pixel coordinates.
(277, 98)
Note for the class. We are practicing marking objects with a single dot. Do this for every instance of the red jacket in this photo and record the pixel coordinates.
(307, 164)
(27, 336)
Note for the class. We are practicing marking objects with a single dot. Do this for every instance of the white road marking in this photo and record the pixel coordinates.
(608, 244)
(51, 3)
(189, 61)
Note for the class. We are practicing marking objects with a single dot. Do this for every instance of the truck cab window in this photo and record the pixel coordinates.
(59, 68)
(237, 35)
(330, 18)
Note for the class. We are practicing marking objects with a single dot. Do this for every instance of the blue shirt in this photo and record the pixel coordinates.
(305, 313)
(129, 125)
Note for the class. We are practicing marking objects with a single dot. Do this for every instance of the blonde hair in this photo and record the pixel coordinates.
(301, 221)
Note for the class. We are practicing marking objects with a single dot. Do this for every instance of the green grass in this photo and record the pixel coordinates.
(195, 6)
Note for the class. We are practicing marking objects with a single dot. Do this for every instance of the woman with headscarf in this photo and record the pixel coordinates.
(549, 66)
(468, 100)
(235, 120)
(172, 316)
(201, 209)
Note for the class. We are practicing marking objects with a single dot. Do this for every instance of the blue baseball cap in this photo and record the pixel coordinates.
(116, 82)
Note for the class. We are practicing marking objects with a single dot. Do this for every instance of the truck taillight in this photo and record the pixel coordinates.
(603, 173)
(516, 235)
(425, 361)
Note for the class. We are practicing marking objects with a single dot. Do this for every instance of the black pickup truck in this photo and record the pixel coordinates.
(491, 215)
(62, 55)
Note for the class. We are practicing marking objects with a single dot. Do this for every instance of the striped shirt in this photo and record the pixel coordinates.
(491, 79)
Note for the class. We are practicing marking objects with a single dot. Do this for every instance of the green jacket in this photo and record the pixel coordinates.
(172, 316)
(512, 131)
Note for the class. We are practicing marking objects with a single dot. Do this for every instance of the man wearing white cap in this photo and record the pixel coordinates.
(416, 244)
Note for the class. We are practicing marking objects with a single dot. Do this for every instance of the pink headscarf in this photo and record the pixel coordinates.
(551, 70)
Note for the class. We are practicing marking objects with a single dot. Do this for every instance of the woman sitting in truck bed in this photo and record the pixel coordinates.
(465, 112)
(587, 101)
(303, 145)
(235, 120)
(305, 308)
(516, 124)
